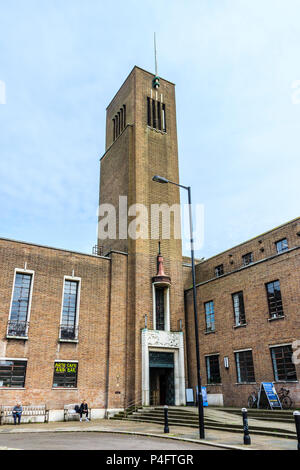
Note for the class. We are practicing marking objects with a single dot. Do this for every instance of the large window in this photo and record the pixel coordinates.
(65, 374)
(213, 369)
(18, 320)
(12, 373)
(209, 316)
(282, 245)
(274, 299)
(160, 308)
(239, 309)
(244, 366)
(68, 329)
(283, 366)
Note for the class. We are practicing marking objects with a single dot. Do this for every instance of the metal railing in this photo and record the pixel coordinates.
(132, 406)
(68, 332)
(16, 328)
(98, 250)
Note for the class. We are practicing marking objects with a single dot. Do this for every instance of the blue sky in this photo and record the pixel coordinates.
(234, 63)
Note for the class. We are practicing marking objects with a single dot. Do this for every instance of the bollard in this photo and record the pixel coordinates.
(247, 439)
(297, 422)
(166, 430)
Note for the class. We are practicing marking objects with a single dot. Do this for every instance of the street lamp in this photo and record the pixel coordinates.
(160, 179)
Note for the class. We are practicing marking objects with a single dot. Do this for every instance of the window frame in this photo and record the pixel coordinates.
(272, 315)
(238, 368)
(244, 310)
(244, 258)
(275, 372)
(77, 313)
(65, 387)
(207, 359)
(217, 269)
(284, 249)
(32, 274)
(210, 314)
(9, 359)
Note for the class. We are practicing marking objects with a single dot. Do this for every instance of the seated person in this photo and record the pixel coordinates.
(83, 409)
(17, 413)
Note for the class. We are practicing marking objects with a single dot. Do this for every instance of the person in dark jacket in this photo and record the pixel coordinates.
(84, 409)
(17, 413)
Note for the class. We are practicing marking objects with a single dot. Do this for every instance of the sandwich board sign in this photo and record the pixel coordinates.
(189, 396)
(268, 394)
(204, 395)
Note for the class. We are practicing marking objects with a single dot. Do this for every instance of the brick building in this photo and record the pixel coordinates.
(116, 327)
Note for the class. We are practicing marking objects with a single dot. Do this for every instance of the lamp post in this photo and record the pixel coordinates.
(160, 179)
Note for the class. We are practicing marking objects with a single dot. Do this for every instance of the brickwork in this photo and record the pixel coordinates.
(259, 333)
(43, 346)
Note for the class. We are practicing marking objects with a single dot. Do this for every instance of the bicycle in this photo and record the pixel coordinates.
(253, 398)
(285, 399)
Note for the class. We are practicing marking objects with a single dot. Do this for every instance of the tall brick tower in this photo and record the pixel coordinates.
(141, 141)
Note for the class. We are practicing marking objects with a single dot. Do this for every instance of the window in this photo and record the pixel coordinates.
(65, 374)
(12, 373)
(69, 319)
(160, 308)
(119, 122)
(244, 366)
(209, 316)
(213, 369)
(274, 299)
(283, 366)
(18, 320)
(219, 270)
(282, 245)
(156, 114)
(247, 259)
(239, 309)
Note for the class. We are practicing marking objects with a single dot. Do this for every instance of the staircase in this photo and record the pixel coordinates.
(231, 421)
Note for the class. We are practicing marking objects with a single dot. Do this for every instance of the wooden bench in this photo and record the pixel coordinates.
(71, 415)
(30, 414)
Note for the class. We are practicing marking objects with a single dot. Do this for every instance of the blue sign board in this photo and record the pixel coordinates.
(271, 394)
(204, 395)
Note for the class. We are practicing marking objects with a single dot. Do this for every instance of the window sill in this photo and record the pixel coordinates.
(65, 388)
(286, 381)
(240, 326)
(157, 130)
(246, 383)
(12, 388)
(24, 338)
(62, 340)
(209, 332)
(276, 318)
(213, 385)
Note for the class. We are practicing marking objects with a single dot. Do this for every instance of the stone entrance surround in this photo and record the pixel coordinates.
(164, 341)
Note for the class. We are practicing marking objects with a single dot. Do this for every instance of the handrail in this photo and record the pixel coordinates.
(132, 406)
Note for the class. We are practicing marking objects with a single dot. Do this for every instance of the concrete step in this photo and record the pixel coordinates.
(225, 427)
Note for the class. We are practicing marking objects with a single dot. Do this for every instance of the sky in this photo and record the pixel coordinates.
(237, 73)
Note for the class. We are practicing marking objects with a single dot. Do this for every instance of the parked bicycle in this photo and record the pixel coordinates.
(285, 399)
(253, 398)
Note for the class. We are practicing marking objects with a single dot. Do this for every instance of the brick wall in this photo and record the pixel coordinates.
(97, 324)
(259, 333)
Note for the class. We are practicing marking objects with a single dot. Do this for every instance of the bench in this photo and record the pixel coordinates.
(71, 415)
(30, 414)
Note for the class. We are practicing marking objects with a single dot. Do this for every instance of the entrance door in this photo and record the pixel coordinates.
(162, 389)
